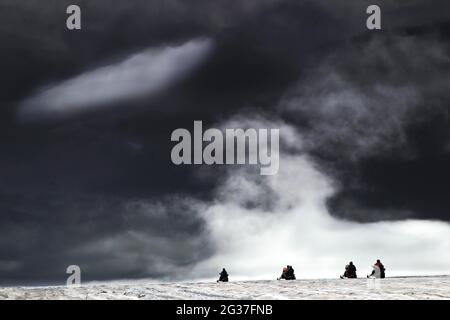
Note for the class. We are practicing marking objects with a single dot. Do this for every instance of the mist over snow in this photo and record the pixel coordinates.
(258, 225)
(254, 242)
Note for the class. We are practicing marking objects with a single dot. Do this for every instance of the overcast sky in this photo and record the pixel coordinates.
(86, 117)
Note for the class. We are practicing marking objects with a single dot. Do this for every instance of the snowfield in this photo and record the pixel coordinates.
(390, 288)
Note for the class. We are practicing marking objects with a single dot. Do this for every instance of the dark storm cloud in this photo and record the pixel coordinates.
(362, 99)
(379, 112)
(99, 190)
(41, 50)
(105, 236)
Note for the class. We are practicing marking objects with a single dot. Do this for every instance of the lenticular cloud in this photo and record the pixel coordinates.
(143, 73)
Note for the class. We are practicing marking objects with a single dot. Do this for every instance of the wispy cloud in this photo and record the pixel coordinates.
(144, 73)
(359, 101)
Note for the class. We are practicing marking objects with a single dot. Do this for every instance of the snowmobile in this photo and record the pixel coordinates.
(350, 272)
(376, 273)
(223, 276)
(287, 274)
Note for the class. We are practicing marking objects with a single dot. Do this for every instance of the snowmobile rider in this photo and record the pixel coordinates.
(382, 269)
(378, 271)
(350, 271)
(223, 276)
(288, 273)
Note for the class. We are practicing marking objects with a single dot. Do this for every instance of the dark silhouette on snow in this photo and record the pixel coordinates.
(287, 274)
(350, 271)
(223, 276)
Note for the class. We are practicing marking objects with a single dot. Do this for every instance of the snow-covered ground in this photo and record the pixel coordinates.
(390, 288)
